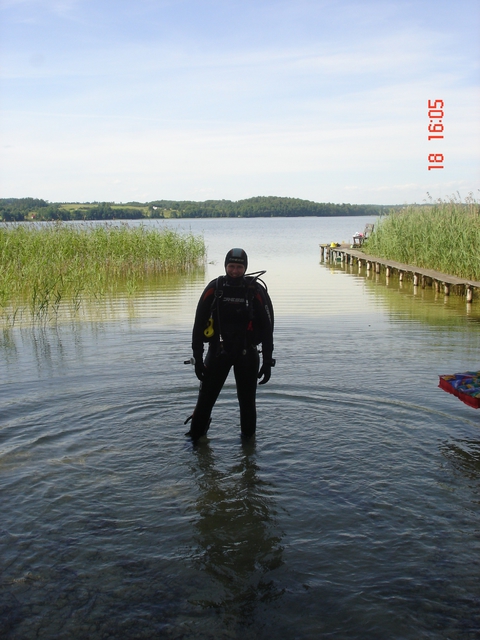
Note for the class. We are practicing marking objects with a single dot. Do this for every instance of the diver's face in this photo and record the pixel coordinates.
(235, 270)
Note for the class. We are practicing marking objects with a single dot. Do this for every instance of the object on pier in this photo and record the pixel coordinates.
(466, 386)
(359, 238)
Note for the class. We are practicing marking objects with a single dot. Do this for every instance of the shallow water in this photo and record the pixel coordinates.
(354, 514)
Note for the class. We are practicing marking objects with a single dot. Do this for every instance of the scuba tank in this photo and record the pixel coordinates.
(213, 327)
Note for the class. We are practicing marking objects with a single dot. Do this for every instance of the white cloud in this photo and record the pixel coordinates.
(304, 112)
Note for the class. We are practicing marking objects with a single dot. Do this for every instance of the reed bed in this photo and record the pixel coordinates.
(43, 265)
(444, 236)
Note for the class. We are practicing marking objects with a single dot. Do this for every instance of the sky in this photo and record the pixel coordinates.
(139, 100)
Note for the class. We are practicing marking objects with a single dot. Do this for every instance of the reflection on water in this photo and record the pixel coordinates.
(239, 546)
(128, 299)
(403, 299)
(354, 515)
(464, 456)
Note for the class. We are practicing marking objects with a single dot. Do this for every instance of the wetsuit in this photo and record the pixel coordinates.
(242, 316)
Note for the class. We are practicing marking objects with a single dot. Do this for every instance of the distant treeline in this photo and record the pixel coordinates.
(259, 207)
(17, 209)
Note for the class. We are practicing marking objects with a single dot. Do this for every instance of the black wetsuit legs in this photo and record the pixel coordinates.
(245, 367)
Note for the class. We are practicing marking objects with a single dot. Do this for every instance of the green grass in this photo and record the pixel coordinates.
(42, 266)
(444, 236)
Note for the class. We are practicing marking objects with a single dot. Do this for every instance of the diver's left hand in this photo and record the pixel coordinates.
(265, 373)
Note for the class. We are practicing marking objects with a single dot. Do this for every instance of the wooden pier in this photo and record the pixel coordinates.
(421, 277)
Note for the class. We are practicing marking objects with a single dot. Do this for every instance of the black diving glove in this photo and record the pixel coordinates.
(265, 373)
(199, 366)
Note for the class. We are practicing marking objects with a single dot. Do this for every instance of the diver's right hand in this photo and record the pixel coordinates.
(199, 368)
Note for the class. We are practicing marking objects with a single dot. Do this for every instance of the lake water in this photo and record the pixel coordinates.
(354, 514)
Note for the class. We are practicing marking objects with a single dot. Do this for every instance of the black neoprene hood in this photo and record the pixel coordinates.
(236, 256)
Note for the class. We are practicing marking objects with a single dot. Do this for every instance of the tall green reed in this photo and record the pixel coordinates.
(43, 265)
(443, 235)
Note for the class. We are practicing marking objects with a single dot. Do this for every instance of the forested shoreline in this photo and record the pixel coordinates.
(19, 209)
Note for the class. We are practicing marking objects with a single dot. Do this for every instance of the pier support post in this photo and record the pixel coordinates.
(422, 277)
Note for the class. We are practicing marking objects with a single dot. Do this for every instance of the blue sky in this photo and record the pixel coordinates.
(211, 99)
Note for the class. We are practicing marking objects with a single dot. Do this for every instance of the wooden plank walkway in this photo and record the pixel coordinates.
(420, 276)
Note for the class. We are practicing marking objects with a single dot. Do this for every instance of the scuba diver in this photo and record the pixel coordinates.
(234, 316)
